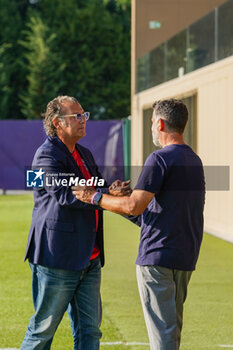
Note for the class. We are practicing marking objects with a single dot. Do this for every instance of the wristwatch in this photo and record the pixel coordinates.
(97, 198)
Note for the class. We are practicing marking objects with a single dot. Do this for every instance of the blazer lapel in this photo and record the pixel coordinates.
(72, 164)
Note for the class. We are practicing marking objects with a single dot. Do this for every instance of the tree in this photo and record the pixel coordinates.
(44, 68)
(12, 80)
(74, 47)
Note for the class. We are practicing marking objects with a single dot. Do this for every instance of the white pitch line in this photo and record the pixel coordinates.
(123, 343)
(225, 346)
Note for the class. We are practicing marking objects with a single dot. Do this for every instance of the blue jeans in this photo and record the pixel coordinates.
(55, 291)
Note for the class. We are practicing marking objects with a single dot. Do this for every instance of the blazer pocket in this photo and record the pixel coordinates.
(59, 226)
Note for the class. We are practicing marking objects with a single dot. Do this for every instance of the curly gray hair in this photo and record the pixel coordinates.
(55, 108)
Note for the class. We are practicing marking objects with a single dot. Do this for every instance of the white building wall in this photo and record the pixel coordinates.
(213, 86)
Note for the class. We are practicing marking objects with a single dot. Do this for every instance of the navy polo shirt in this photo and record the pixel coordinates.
(172, 224)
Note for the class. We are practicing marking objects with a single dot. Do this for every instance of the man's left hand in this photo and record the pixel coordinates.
(83, 193)
(119, 188)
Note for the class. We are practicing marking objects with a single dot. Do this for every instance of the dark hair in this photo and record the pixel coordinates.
(174, 112)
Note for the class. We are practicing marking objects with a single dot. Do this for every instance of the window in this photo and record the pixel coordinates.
(190, 130)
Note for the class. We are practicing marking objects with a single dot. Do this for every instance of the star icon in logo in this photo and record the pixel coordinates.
(38, 173)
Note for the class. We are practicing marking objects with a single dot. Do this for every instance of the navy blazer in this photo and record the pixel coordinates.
(63, 229)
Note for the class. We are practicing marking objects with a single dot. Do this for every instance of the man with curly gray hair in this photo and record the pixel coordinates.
(55, 109)
(65, 243)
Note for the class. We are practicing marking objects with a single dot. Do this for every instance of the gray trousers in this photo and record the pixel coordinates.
(163, 292)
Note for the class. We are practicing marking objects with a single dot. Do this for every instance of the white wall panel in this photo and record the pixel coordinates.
(214, 88)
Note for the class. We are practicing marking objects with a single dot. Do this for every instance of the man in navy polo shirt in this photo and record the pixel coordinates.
(169, 195)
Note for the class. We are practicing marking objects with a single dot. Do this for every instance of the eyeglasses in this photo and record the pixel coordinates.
(79, 116)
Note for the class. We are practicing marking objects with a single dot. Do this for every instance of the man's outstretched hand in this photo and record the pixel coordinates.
(119, 188)
(83, 193)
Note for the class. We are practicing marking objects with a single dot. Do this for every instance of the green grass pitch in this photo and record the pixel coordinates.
(208, 316)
